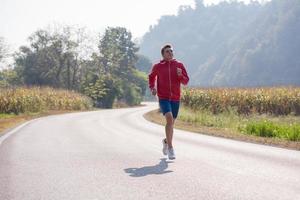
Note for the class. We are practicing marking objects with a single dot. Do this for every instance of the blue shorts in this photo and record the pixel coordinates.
(169, 106)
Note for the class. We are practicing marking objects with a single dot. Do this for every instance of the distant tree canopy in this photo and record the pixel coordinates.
(1, 49)
(231, 43)
(60, 58)
(143, 63)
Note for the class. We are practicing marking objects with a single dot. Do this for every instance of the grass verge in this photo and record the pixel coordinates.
(238, 127)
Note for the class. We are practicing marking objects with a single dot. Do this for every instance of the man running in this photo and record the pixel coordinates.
(170, 73)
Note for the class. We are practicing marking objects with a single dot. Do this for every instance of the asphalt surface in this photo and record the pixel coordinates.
(116, 154)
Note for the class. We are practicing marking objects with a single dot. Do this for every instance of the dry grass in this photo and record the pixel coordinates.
(264, 100)
(20, 104)
(37, 99)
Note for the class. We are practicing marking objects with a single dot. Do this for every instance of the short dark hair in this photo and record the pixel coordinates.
(164, 47)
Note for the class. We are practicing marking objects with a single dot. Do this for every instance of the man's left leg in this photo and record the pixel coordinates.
(175, 109)
(169, 128)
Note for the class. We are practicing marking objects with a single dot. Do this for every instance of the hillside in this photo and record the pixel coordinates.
(233, 44)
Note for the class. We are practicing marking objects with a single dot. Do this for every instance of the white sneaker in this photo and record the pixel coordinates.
(165, 147)
(171, 154)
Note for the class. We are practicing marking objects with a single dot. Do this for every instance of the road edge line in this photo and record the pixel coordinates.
(14, 130)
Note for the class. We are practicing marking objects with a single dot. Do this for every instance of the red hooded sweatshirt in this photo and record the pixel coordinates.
(168, 81)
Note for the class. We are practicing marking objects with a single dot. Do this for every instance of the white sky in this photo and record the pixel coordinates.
(20, 18)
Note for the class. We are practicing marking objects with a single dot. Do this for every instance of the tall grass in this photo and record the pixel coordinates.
(36, 99)
(272, 100)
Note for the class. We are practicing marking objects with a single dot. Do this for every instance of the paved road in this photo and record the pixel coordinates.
(116, 154)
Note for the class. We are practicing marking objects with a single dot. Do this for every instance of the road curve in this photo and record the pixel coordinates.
(116, 154)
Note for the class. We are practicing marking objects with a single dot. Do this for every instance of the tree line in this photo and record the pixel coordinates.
(67, 57)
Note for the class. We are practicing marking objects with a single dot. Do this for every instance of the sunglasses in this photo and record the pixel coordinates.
(169, 51)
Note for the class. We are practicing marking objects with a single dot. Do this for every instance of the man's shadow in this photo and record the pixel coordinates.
(160, 168)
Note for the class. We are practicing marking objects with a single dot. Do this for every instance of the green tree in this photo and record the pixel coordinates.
(9, 77)
(59, 58)
(54, 57)
(116, 62)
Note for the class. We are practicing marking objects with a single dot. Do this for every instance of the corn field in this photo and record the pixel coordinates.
(268, 100)
(35, 99)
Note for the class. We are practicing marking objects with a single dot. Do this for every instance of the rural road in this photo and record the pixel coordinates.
(116, 154)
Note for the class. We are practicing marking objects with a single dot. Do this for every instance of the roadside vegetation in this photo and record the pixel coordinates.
(104, 68)
(24, 103)
(263, 115)
(38, 99)
(67, 68)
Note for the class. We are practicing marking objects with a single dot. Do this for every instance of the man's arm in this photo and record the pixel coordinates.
(184, 78)
(152, 77)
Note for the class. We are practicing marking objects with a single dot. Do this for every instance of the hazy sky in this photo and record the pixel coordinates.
(20, 18)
